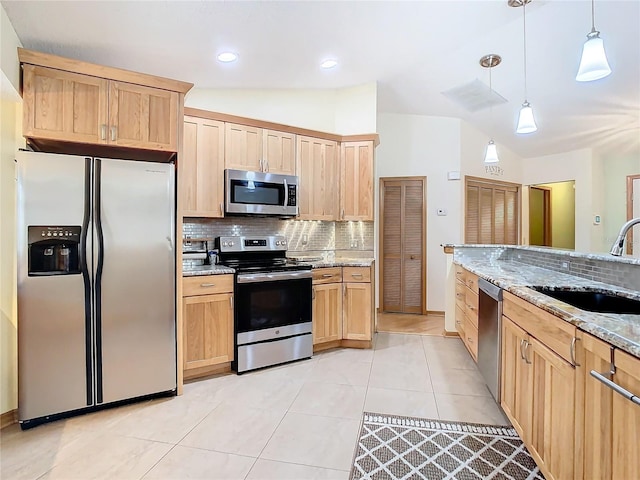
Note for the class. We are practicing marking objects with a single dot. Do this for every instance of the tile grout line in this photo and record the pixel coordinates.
(433, 391)
(178, 442)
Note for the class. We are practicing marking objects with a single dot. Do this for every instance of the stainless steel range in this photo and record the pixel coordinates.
(272, 315)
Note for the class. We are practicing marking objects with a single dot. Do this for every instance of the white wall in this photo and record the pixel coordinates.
(343, 111)
(412, 145)
(614, 211)
(10, 141)
(577, 165)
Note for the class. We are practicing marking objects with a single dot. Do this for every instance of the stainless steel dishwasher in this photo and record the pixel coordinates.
(489, 334)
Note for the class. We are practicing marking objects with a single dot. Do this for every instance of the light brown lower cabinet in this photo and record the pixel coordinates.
(327, 313)
(538, 392)
(467, 309)
(207, 325)
(342, 306)
(357, 324)
(607, 424)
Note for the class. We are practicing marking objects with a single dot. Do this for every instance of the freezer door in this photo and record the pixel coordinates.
(54, 310)
(135, 278)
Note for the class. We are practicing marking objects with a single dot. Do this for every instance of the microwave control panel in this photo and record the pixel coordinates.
(292, 195)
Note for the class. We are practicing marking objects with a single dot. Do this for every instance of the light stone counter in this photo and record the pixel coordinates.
(622, 331)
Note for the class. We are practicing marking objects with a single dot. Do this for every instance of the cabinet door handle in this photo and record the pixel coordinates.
(231, 301)
(207, 284)
(521, 351)
(343, 213)
(526, 347)
(266, 168)
(344, 290)
(313, 293)
(103, 131)
(358, 275)
(615, 387)
(573, 351)
(327, 275)
(113, 133)
(221, 208)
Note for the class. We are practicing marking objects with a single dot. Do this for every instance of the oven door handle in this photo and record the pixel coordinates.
(273, 277)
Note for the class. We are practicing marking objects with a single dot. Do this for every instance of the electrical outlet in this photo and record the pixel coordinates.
(305, 239)
(565, 265)
(354, 244)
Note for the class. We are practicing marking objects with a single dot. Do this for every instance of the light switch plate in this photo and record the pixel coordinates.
(453, 175)
(596, 219)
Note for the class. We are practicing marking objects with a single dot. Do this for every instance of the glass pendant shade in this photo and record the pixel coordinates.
(593, 64)
(491, 154)
(526, 122)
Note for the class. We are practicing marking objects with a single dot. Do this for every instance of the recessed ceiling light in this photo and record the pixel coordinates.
(329, 63)
(227, 57)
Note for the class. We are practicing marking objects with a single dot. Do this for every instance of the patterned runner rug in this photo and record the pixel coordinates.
(393, 447)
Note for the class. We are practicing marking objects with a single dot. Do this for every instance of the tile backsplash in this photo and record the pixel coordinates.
(303, 236)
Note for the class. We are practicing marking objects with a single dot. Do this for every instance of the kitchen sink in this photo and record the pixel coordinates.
(594, 301)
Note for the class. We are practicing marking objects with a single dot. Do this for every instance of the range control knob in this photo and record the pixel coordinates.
(277, 242)
(231, 244)
(284, 242)
(224, 244)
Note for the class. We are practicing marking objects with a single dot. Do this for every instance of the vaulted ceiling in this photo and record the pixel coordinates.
(414, 50)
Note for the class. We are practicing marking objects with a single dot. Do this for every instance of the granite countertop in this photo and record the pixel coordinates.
(195, 270)
(622, 331)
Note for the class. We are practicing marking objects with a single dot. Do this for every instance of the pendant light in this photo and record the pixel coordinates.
(526, 121)
(490, 61)
(593, 64)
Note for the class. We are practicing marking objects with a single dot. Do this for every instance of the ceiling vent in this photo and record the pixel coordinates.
(474, 96)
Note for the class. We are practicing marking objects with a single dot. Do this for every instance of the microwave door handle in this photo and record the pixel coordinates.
(286, 193)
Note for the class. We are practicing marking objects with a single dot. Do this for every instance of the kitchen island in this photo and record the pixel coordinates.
(569, 378)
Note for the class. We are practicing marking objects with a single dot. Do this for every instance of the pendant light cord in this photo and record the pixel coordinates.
(593, 15)
(491, 92)
(524, 43)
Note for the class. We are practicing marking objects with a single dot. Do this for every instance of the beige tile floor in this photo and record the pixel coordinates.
(298, 421)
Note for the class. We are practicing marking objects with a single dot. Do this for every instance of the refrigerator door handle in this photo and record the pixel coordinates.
(97, 219)
(84, 268)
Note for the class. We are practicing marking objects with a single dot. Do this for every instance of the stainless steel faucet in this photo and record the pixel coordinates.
(617, 249)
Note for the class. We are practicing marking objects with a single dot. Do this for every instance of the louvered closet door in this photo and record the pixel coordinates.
(403, 222)
(491, 214)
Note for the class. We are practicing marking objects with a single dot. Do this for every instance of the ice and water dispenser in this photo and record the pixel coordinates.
(53, 250)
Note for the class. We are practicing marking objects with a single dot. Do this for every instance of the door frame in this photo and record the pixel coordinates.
(630, 179)
(423, 266)
(546, 214)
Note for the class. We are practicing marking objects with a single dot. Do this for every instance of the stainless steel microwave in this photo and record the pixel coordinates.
(256, 193)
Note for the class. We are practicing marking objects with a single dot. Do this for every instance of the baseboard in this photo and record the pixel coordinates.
(447, 333)
(194, 373)
(435, 312)
(8, 418)
(320, 347)
(342, 343)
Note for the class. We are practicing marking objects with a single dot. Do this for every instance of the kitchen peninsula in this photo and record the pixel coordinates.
(570, 376)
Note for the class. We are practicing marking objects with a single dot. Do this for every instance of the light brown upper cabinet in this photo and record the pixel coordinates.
(64, 106)
(201, 184)
(66, 100)
(318, 168)
(142, 117)
(279, 149)
(259, 150)
(356, 181)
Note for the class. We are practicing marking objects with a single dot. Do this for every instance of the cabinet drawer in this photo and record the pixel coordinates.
(356, 274)
(461, 292)
(470, 338)
(460, 321)
(471, 306)
(552, 331)
(327, 275)
(460, 273)
(207, 285)
(471, 280)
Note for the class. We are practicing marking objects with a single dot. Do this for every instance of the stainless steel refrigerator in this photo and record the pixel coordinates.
(96, 283)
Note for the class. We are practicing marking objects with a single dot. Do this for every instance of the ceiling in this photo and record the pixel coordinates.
(414, 50)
